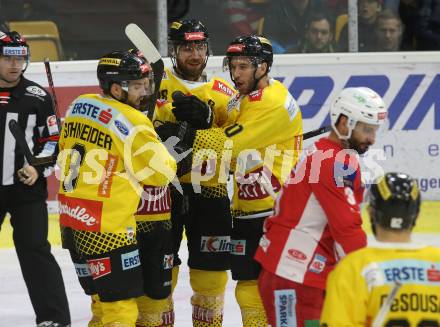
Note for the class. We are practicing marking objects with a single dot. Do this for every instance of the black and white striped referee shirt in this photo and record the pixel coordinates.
(31, 106)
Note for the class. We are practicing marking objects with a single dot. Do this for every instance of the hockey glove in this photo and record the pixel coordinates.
(192, 110)
(178, 139)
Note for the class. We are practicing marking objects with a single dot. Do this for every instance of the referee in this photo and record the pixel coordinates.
(23, 188)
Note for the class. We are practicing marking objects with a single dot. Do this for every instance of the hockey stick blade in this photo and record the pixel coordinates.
(317, 132)
(20, 138)
(142, 42)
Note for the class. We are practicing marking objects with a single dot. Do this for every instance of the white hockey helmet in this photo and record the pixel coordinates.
(358, 104)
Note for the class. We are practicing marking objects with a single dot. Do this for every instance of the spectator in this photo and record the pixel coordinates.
(319, 35)
(388, 31)
(368, 11)
(285, 25)
(245, 16)
(428, 25)
(408, 15)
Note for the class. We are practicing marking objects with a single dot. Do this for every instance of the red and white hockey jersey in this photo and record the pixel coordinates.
(317, 216)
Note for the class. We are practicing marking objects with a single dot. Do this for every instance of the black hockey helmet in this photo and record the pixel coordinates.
(257, 48)
(187, 30)
(13, 44)
(394, 202)
(123, 66)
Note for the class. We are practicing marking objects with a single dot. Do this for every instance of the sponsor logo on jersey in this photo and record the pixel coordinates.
(130, 260)
(168, 261)
(80, 214)
(238, 247)
(318, 264)
(255, 95)
(433, 274)
(203, 314)
(168, 318)
(222, 88)
(33, 89)
(89, 110)
(194, 36)
(99, 267)
(249, 185)
(82, 270)
(130, 233)
(121, 127)
(52, 125)
(15, 51)
(215, 243)
(296, 255)
(285, 303)
(410, 271)
(105, 186)
(264, 243)
(105, 116)
(234, 103)
(154, 200)
(291, 106)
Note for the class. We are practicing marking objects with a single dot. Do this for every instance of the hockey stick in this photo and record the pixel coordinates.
(144, 44)
(52, 90)
(381, 315)
(316, 132)
(20, 138)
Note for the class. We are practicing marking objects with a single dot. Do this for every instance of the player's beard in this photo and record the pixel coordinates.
(359, 147)
(190, 73)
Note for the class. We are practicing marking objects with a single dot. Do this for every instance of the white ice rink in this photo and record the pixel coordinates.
(16, 309)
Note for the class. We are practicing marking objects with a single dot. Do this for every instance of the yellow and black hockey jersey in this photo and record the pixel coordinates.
(215, 92)
(108, 153)
(360, 283)
(263, 135)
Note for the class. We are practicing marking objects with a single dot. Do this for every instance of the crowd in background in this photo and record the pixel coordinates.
(313, 26)
(293, 26)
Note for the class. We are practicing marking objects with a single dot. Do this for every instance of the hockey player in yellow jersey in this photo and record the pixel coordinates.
(204, 213)
(361, 283)
(264, 122)
(110, 158)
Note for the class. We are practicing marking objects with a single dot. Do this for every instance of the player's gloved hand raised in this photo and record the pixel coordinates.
(178, 139)
(191, 109)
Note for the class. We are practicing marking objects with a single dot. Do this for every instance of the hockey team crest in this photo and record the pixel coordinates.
(36, 90)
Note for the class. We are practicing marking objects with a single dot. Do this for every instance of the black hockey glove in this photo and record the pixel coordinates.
(178, 139)
(192, 110)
